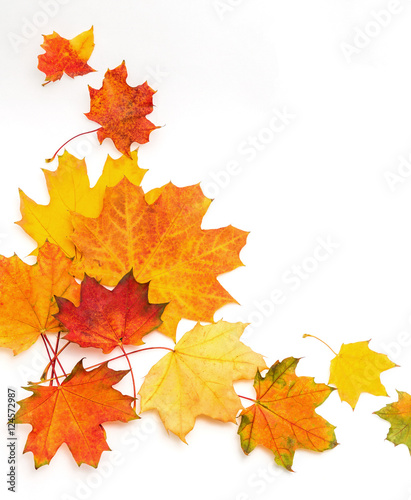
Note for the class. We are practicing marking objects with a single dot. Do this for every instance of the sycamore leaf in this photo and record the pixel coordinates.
(197, 377)
(69, 189)
(73, 412)
(283, 418)
(27, 292)
(399, 416)
(121, 110)
(109, 318)
(66, 56)
(357, 369)
(164, 244)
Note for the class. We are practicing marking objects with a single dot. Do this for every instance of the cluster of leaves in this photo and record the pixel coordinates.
(114, 264)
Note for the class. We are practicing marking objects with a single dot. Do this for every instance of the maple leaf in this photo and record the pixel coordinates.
(283, 418)
(72, 413)
(356, 369)
(196, 378)
(27, 292)
(399, 416)
(164, 244)
(69, 189)
(66, 56)
(109, 318)
(121, 110)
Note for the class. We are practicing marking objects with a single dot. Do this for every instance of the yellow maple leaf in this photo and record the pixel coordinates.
(162, 241)
(356, 369)
(197, 377)
(27, 301)
(70, 191)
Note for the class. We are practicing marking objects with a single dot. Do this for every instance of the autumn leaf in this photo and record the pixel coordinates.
(121, 110)
(399, 416)
(197, 377)
(283, 418)
(164, 244)
(27, 292)
(72, 413)
(66, 56)
(109, 318)
(69, 189)
(356, 369)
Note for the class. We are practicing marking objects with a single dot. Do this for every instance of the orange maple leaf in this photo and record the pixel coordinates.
(283, 417)
(109, 318)
(27, 292)
(66, 56)
(72, 413)
(121, 110)
(164, 244)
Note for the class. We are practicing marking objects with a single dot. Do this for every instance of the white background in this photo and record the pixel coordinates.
(221, 76)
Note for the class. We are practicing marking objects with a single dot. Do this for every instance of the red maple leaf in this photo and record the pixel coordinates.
(109, 318)
(121, 110)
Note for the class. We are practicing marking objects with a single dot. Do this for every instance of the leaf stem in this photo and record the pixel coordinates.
(55, 352)
(58, 354)
(112, 359)
(128, 354)
(314, 337)
(78, 135)
(132, 377)
(55, 356)
(53, 371)
(245, 397)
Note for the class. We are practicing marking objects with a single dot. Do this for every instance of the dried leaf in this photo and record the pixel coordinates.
(66, 56)
(197, 377)
(106, 318)
(399, 416)
(27, 292)
(283, 418)
(72, 413)
(121, 110)
(164, 244)
(356, 369)
(69, 189)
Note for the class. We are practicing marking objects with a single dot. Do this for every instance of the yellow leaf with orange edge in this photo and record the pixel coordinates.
(69, 189)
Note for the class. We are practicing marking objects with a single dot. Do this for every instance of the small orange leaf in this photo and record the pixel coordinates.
(27, 292)
(283, 417)
(66, 56)
(72, 413)
(121, 110)
(109, 318)
(164, 244)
